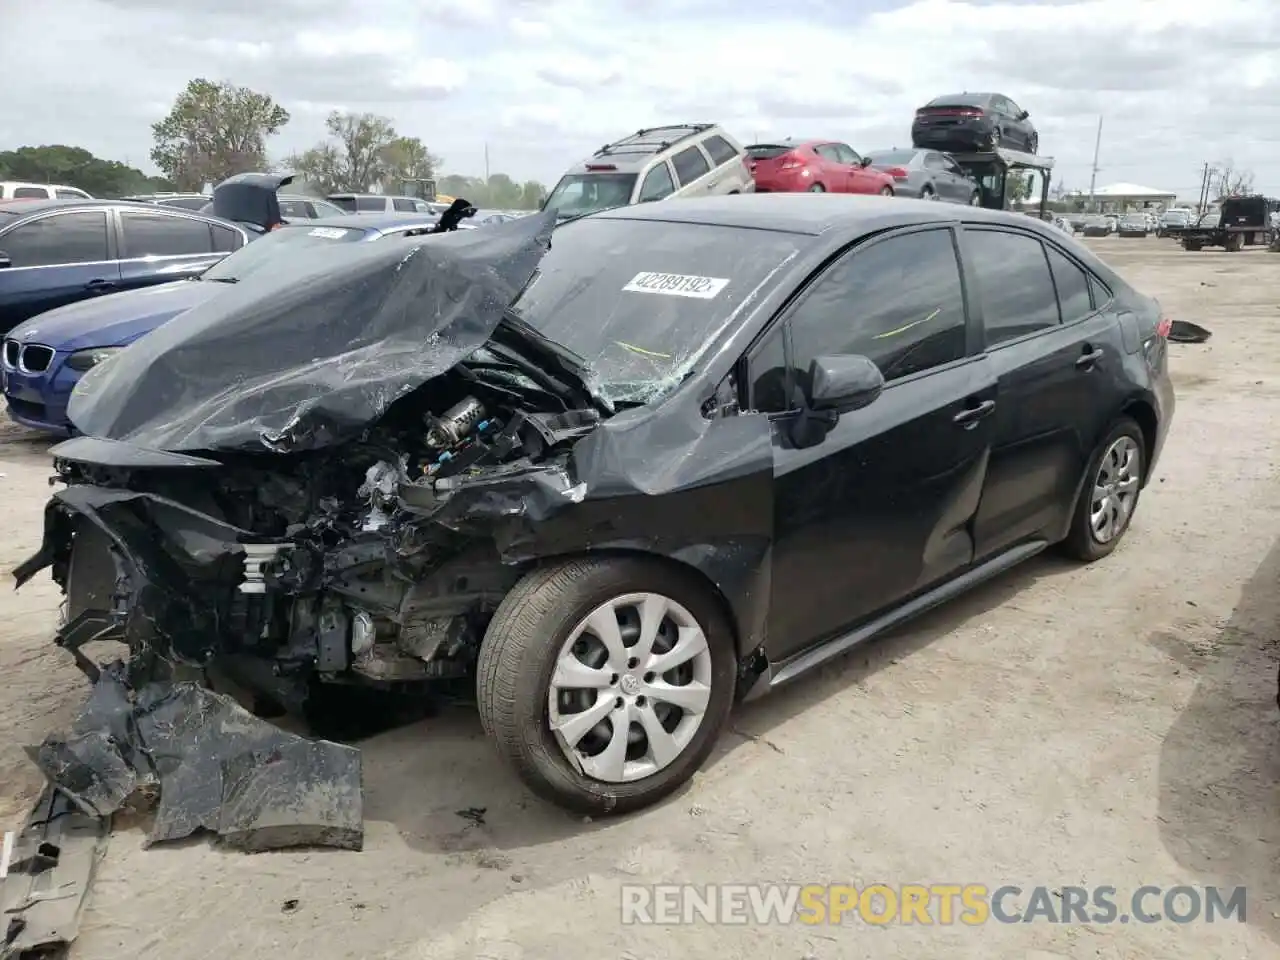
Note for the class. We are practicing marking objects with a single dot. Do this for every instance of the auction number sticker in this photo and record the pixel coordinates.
(329, 233)
(677, 285)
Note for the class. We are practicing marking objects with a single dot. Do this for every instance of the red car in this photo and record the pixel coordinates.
(816, 166)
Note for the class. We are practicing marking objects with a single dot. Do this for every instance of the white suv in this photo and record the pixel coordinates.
(17, 190)
(683, 160)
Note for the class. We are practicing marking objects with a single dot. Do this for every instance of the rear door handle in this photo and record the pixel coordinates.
(1089, 358)
(99, 286)
(971, 415)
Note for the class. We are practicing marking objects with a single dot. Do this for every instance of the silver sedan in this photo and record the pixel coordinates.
(926, 174)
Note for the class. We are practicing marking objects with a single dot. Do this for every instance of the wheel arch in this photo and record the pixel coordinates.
(1143, 412)
(743, 603)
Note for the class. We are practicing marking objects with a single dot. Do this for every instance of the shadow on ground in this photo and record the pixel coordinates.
(1220, 762)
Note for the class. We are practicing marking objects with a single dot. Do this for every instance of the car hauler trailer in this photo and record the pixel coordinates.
(991, 169)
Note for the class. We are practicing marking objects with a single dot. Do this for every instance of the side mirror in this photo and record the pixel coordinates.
(864, 162)
(843, 383)
(4, 260)
(1023, 115)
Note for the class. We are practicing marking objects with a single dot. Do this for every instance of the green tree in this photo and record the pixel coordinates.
(532, 195)
(363, 150)
(215, 130)
(407, 158)
(77, 167)
(503, 192)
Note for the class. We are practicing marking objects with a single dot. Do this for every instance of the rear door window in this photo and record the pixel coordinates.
(371, 204)
(30, 193)
(720, 150)
(403, 205)
(690, 164)
(158, 235)
(827, 151)
(1014, 282)
(1072, 283)
(79, 237)
(897, 301)
(66, 193)
(657, 184)
(346, 203)
(225, 239)
(295, 210)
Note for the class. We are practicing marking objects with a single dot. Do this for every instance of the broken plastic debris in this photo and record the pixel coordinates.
(218, 768)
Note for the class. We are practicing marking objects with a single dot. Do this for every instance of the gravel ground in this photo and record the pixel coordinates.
(1114, 724)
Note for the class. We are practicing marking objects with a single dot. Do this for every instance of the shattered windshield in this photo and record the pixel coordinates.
(640, 300)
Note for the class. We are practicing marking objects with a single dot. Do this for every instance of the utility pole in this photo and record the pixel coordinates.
(1093, 175)
(1204, 187)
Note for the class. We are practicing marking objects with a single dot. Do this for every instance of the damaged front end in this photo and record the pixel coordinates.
(347, 509)
(379, 561)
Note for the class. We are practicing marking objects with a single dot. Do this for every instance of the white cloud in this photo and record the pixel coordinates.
(543, 82)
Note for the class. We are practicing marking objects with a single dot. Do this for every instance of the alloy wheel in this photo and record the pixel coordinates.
(1115, 489)
(630, 688)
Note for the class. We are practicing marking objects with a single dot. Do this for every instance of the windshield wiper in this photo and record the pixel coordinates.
(219, 279)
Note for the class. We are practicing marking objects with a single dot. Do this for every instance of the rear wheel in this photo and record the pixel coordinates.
(928, 194)
(995, 138)
(1033, 143)
(975, 199)
(1110, 494)
(886, 191)
(1235, 243)
(817, 188)
(606, 681)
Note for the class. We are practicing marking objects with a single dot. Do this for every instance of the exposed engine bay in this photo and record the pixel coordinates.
(346, 565)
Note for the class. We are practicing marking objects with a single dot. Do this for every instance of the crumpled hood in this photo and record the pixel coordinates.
(114, 320)
(310, 354)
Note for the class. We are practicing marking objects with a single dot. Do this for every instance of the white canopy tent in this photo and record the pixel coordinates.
(1123, 195)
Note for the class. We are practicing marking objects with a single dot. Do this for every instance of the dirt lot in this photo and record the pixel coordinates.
(1114, 724)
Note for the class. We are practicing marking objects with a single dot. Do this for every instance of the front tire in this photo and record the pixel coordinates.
(817, 188)
(1110, 494)
(886, 191)
(578, 649)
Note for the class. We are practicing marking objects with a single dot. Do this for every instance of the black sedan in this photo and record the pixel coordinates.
(974, 121)
(675, 456)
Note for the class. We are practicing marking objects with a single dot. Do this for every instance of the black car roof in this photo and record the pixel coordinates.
(804, 213)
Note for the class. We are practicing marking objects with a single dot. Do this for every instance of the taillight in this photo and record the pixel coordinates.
(1164, 327)
(898, 173)
(789, 161)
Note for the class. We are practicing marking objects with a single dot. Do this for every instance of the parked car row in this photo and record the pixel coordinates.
(59, 260)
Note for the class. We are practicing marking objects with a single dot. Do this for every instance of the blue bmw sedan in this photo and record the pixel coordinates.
(44, 357)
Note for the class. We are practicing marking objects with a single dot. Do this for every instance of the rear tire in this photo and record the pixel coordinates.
(1235, 243)
(1112, 485)
(928, 194)
(527, 646)
(817, 188)
(1033, 143)
(996, 138)
(975, 199)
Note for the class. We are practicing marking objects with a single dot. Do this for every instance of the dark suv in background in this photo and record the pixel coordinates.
(55, 252)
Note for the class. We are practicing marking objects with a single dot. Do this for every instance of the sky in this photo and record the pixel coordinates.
(543, 83)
